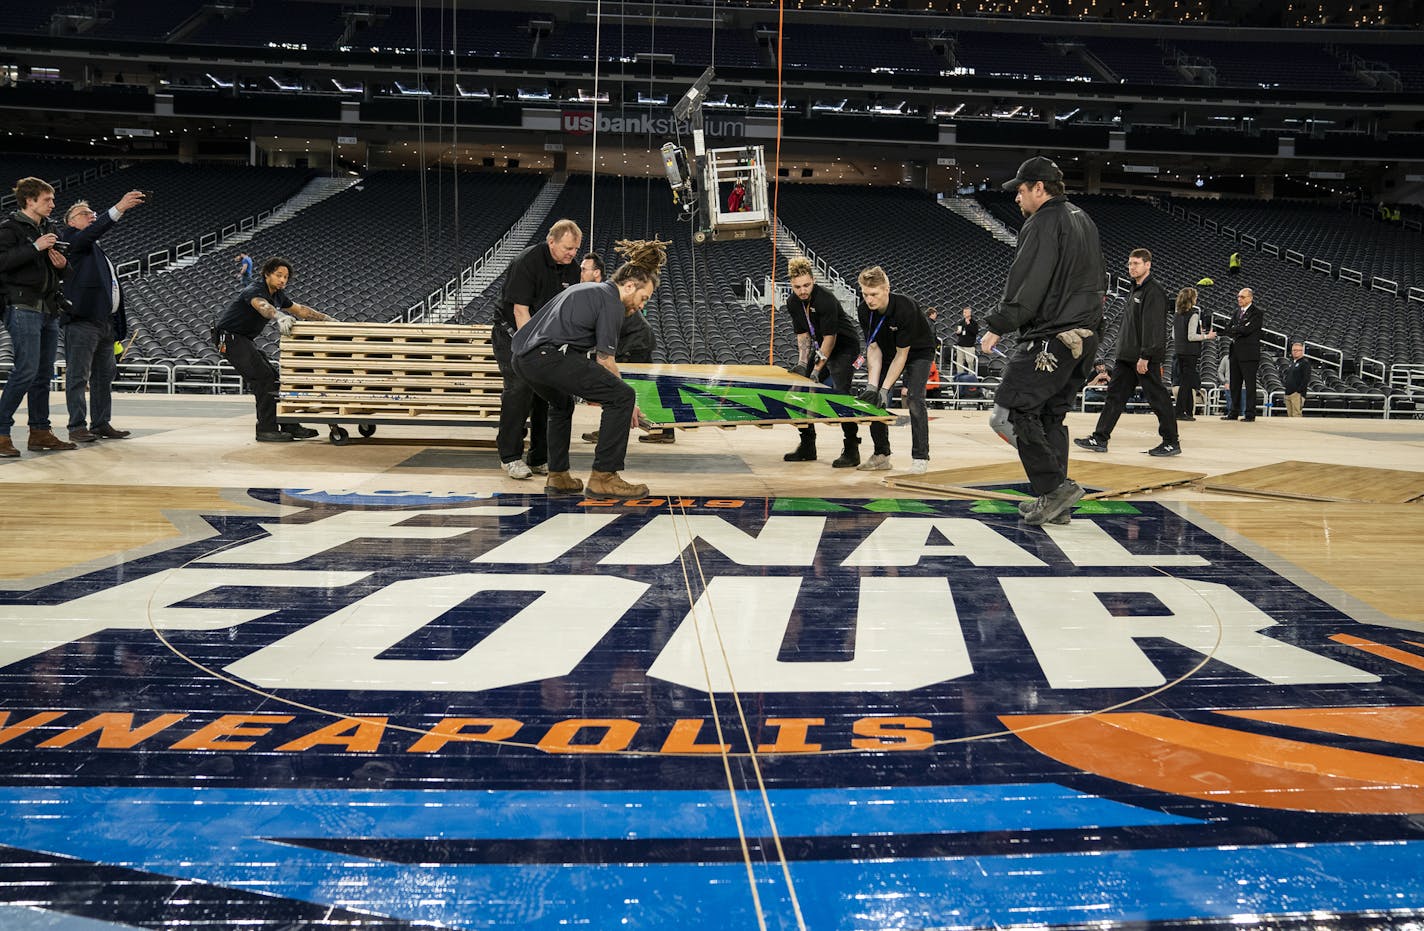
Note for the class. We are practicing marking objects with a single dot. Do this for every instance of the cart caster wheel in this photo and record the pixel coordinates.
(699, 237)
(339, 436)
(367, 429)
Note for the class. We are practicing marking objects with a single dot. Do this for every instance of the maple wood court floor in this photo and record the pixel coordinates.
(382, 685)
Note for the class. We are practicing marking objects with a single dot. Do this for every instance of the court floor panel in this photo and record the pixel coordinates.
(311, 708)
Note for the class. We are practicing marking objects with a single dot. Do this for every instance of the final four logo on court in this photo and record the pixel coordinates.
(869, 625)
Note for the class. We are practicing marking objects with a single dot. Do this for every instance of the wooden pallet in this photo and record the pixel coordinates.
(387, 373)
(436, 384)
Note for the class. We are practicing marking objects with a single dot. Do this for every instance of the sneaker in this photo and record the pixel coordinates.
(540, 469)
(658, 436)
(1054, 503)
(1165, 449)
(1092, 443)
(919, 466)
(876, 463)
(1027, 505)
(590, 437)
(518, 468)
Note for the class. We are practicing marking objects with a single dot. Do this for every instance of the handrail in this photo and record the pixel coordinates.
(1368, 368)
(1406, 374)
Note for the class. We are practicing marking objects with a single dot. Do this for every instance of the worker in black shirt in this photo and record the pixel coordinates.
(1053, 298)
(239, 326)
(1141, 347)
(636, 344)
(534, 278)
(898, 341)
(827, 346)
(552, 354)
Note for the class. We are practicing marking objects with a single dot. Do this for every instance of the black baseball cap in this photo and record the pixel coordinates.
(1037, 168)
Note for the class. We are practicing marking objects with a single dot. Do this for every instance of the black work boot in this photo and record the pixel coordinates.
(805, 451)
(849, 457)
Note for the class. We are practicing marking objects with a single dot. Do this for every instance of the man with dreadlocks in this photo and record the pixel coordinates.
(552, 353)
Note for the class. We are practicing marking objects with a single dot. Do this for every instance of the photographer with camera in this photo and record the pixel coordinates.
(94, 319)
(32, 268)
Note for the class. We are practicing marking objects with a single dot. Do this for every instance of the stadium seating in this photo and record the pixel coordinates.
(1326, 232)
(834, 48)
(1135, 61)
(1272, 64)
(687, 45)
(265, 22)
(365, 254)
(147, 19)
(1013, 55)
(490, 33)
(187, 202)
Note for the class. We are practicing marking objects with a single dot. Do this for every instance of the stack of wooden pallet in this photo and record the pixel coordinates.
(388, 373)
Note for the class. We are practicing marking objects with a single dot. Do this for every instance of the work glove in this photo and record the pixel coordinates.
(870, 395)
(799, 370)
(285, 322)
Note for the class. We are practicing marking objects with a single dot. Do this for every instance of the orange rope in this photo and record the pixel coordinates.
(776, 179)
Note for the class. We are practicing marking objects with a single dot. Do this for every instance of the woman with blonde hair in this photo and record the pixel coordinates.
(1186, 369)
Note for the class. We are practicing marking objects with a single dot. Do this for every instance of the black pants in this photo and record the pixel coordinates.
(1037, 403)
(261, 377)
(558, 378)
(1187, 377)
(916, 373)
(1243, 386)
(1125, 381)
(518, 403)
(838, 371)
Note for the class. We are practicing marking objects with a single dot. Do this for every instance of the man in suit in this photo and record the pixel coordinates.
(93, 321)
(1245, 353)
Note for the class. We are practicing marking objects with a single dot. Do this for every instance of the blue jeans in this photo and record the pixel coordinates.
(89, 364)
(35, 337)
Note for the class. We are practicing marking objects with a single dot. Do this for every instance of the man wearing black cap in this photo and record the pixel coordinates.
(1054, 299)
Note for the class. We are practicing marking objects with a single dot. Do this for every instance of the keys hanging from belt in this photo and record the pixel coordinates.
(1044, 361)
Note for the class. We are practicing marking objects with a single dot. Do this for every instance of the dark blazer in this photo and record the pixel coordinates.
(90, 281)
(1246, 334)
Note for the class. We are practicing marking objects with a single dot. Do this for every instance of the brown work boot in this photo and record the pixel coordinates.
(7, 449)
(609, 485)
(562, 483)
(42, 440)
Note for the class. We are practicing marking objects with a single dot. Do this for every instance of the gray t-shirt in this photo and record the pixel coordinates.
(583, 317)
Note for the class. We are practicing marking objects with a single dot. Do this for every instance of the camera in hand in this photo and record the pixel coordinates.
(61, 246)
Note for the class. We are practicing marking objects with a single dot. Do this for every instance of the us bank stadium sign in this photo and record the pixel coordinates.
(580, 123)
(472, 700)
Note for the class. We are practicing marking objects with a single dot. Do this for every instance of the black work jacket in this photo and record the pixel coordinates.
(1057, 279)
